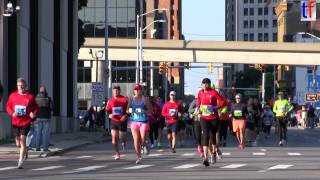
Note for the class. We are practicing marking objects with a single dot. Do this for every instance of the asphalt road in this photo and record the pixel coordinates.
(300, 159)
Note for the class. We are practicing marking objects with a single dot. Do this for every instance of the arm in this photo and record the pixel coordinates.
(9, 106)
(222, 101)
(34, 108)
(164, 110)
(275, 108)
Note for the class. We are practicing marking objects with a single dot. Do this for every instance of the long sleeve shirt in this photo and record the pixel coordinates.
(208, 103)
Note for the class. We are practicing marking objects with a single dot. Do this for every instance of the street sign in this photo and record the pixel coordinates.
(311, 97)
(97, 94)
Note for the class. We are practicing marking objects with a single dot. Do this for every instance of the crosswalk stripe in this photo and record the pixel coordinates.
(294, 154)
(83, 157)
(8, 168)
(186, 166)
(155, 155)
(233, 166)
(189, 154)
(47, 168)
(258, 153)
(121, 155)
(263, 150)
(160, 150)
(226, 154)
(138, 167)
(89, 168)
(280, 166)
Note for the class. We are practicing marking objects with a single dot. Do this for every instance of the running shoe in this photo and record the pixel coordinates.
(206, 162)
(20, 164)
(152, 146)
(146, 149)
(280, 143)
(219, 154)
(117, 156)
(173, 150)
(138, 161)
(159, 144)
(124, 147)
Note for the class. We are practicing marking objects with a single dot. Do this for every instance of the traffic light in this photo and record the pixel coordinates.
(211, 68)
(260, 67)
(161, 67)
(287, 68)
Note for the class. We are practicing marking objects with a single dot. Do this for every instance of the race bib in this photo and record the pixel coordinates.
(207, 109)
(172, 112)
(20, 110)
(281, 109)
(117, 110)
(237, 113)
(138, 110)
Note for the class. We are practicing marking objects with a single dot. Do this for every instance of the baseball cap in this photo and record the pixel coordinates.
(206, 81)
(172, 93)
(238, 96)
(137, 87)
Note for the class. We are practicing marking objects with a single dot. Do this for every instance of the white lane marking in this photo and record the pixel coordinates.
(120, 155)
(258, 154)
(280, 166)
(294, 154)
(160, 150)
(47, 168)
(155, 155)
(233, 166)
(83, 157)
(263, 150)
(189, 154)
(186, 166)
(226, 154)
(89, 168)
(138, 167)
(8, 168)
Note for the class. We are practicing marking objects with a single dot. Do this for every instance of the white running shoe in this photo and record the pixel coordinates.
(138, 161)
(20, 164)
(117, 157)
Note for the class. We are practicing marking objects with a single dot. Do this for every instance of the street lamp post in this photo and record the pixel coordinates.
(10, 10)
(96, 56)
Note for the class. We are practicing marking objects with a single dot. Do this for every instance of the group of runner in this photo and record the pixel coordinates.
(211, 114)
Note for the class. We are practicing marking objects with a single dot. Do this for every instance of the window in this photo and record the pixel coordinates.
(266, 11)
(251, 1)
(251, 37)
(245, 11)
(266, 23)
(259, 23)
(266, 37)
(260, 37)
(251, 12)
(274, 11)
(245, 24)
(274, 23)
(259, 1)
(246, 1)
(245, 37)
(275, 37)
(260, 11)
(251, 23)
(84, 73)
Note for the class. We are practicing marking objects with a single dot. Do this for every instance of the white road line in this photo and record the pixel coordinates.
(263, 150)
(47, 168)
(294, 154)
(83, 157)
(160, 150)
(155, 155)
(8, 168)
(189, 154)
(258, 154)
(121, 155)
(226, 154)
(138, 167)
(89, 168)
(186, 166)
(233, 166)
(280, 166)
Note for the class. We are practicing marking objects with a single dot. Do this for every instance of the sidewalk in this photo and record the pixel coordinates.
(61, 142)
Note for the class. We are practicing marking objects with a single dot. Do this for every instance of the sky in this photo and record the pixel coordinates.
(202, 20)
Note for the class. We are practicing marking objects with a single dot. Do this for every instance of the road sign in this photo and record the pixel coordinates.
(97, 94)
(311, 97)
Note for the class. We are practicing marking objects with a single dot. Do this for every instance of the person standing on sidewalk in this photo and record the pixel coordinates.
(22, 108)
(42, 124)
(209, 120)
(281, 108)
(172, 112)
(116, 108)
(139, 108)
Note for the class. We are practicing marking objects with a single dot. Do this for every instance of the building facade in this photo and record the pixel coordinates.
(40, 43)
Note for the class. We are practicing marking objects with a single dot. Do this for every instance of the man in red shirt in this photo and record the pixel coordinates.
(172, 111)
(209, 119)
(22, 107)
(116, 108)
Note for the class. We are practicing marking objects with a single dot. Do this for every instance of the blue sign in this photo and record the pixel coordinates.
(310, 83)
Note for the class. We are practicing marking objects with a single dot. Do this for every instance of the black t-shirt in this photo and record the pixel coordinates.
(239, 111)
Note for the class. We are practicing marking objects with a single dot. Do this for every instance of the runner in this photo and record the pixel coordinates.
(267, 118)
(209, 119)
(172, 112)
(239, 113)
(154, 121)
(224, 117)
(281, 108)
(22, 108)
(116, 108)
(139, 107)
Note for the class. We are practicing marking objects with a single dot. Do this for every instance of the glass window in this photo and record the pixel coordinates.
(245, 11)
(266, 23)
(89, 29)
(89, 15)
(259, 1)
(274, 23)
(251, 23)
(122, 15)
(81, 14)
(87, 75)
(100, 15)
(112, 3)
(245, 37)
(122, 3)
(91, 3)
(259, 23)
(100, 3)
(260, 11)
(266, 11)
(251, 1)
(266, 37)
(259, 36)
(99, 31)
(112, 30)
(131, 31)
(131, 15)
(245, 24)
(251, 12)
(245, 1)
(112, 16)
(275, 37)
(251, 37)
(122, 30)
(132, 3)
